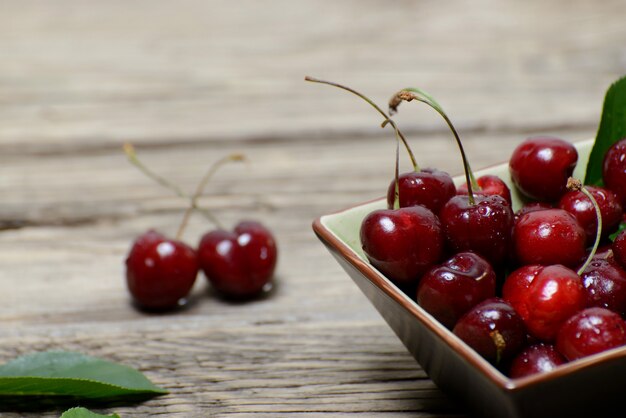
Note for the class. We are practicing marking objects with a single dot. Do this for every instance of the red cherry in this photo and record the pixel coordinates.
(605, 285)
(238, 264)
(619, 249)
(449, 290)
(545, 297)
(160, 271)
(537, 358)
(402, 243)
(540, 167)
(489, 185)
(591, 331)
(428, 187)
(551, 236)
(483, 227)
(530, 207)
(493, 329)
(614, 169)
(579, 205)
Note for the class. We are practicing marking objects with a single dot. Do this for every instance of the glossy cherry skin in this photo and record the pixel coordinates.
(160, 272)
(493, 329)
(614, 169)
(530, 207)
(537, 358)
(591, 331)
(605, 285)
(579, 205)
(449, 290)
(428, 187)
(402, 243)
(545, 297)
(484, 227)
(551, 236)
(540, 167)
(489, 185)
(619, 249)
(239, 264)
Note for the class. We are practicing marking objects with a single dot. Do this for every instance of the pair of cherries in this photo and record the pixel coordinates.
(161, 271)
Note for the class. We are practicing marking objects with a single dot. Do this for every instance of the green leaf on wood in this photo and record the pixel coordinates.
(62, 373)
(85, 413)
(612, 128)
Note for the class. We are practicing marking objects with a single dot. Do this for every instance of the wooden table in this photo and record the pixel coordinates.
(189, 82)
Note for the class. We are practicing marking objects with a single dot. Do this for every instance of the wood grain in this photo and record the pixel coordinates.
(191, 81)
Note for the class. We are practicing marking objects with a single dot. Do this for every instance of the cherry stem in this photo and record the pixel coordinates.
(574, 185)
(396, 196)
(130, 152)
(200, 189)
(412, 93)
(384, 115)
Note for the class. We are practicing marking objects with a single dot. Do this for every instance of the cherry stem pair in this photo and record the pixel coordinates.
(130, 152)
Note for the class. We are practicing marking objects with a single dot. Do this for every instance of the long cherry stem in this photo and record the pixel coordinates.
(575, 184)
(130, 152)
(200, 189)
(384, 115)
(410, 94)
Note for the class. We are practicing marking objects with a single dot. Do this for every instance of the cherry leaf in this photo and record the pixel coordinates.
(612, 128)
(63, 373)
(85, 413)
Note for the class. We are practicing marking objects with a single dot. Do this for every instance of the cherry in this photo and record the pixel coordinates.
(530, 207)
(545, 297)
(238, 264)
(537, 358)
(160, 272)
(471, 223)
(579, 205)
(402, 243)
(605, 284)
(428, 187)
(550, 236)
(493, 329)
(619, 249)
(540, 167)
(489, 185)
(483, 226)
(614, 169)
(591, 331)
(449, 290)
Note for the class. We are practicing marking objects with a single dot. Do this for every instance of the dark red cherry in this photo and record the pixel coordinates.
(489, 185)
(484, 227)
(241, 263)
(579, 205)
(545, 297)
(619, 249)
(449, 290)
(160, 272)
(530, 207)
(590, 331)
(551, 236)
(402, 243)
(605, 284)
(537, 358)
(493, 329)
(540, 167)
(614, 169)
(428, 187)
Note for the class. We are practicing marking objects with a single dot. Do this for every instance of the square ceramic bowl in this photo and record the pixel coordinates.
(589, 387)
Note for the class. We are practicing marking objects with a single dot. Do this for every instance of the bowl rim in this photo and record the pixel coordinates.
(504, 382)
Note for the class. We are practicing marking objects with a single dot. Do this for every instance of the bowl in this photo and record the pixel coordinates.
(592, 386)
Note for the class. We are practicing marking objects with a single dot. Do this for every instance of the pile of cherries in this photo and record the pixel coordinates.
(528, 290)
(161, 271)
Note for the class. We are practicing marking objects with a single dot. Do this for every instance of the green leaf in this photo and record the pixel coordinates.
(612, 128)
(85, 413)
(62, 373)
(620, 228)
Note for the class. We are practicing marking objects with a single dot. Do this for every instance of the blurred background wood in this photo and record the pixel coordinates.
(191, 81)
